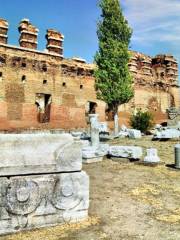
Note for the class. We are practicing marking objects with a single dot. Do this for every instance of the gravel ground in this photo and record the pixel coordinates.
(127, 201)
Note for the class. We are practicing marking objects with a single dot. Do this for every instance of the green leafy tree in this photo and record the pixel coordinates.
(113, 80)
(142, 121)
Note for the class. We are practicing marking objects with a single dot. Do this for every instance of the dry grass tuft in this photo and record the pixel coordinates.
(52, 233)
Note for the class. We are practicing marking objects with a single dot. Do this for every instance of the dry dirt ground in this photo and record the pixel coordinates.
(127, 201)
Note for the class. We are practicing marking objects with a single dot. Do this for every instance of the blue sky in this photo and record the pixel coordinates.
(155, 23)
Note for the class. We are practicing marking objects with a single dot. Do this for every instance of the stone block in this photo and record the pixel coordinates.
(152, 156)
(92, 154)
(167, 134)
(134, 133)
(123, 134)
(28, 202)
(39, 153)
(103, 127)
(125, 152)
(92, 160)
(76, 135)
(124, 128)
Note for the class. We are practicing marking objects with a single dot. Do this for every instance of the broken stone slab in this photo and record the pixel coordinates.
(158, 126)
(152, 156)
(92, 154)
(92, 160)
(103, 127)
(85, 136)
(166, 134)
(123, 128)
(134, 133)
(123, 134)
(38, 153)
(35, 201)
(130, 152)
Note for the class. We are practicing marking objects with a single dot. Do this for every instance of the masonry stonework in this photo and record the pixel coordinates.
(42, 89)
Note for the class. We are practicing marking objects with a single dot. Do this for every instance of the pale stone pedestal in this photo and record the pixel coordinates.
(152, 156)
(96, 151)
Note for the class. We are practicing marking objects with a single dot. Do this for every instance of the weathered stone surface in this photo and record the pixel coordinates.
(38, 153)
(103, 127)
(28, 202)
(116, 125)
(94, 130)
(134, 133)
(123, 134)
(92, 154)
(167, 134)
(125, 151)
(92, 160)
(152, 156)
(76, 135)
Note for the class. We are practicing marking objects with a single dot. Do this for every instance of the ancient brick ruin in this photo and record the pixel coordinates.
(42, 89)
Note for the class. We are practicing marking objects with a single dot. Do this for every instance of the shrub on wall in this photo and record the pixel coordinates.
(142, 121)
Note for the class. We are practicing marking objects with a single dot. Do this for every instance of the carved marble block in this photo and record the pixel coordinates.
(28, 202)
(126, 152)
(41, 182)
(92, 154)
(38, 153)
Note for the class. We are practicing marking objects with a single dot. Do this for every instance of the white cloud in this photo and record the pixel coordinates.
(155, 24)
(153, 20)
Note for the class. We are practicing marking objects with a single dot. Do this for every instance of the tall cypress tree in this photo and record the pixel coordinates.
(113, 80)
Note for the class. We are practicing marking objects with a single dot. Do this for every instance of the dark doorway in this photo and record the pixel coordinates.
(43, 103)
(90, 109)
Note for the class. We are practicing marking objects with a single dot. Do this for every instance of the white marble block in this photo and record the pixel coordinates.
(41, 182)
(152, 156)
(28, 202)
(130, 152)
(38, 153)
(103, 127)
(92, 154)
(167, 134)
(134, 133)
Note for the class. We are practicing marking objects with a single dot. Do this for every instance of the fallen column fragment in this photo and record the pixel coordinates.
(130, 152)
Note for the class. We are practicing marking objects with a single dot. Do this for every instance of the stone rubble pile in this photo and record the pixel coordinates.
(41, 181)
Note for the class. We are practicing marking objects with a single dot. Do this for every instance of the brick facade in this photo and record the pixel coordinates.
(44, 90)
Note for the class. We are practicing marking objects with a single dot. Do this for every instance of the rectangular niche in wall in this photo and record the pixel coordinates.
(43, 103)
